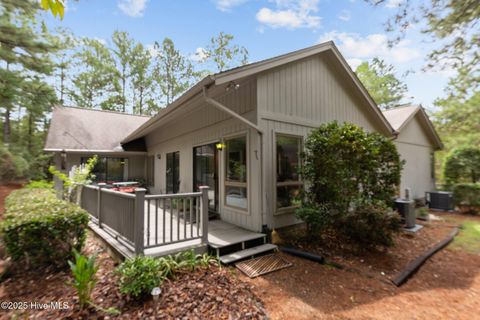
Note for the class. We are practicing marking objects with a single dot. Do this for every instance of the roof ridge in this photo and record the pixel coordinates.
(106, 111)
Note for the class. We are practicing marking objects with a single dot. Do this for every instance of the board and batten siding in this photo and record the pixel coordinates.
(204, 125)
(416, 149)
(294, 99)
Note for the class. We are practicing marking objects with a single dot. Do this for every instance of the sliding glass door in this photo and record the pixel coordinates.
(205, 172)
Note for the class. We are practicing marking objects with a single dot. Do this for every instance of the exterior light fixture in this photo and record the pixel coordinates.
(219, 146)
(232, 85)
(159, 156)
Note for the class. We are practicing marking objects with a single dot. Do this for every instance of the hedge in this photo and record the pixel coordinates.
(467, 197)
(40, 229)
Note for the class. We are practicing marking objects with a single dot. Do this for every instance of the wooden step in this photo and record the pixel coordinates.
(247, 253)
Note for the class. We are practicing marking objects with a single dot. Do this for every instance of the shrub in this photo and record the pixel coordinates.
(138, 276)
(462, 165)
(467, 197)
(39, 184)
(343, 164)
(371, 224)
(316, 217)
(84, 273)
(40, 229)
(347, 168)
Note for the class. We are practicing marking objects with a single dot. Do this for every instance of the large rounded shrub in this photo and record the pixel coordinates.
(350, 172)
(40, 229)
(8, 168)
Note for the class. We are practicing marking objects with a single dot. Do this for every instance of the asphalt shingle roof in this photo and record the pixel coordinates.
(74, 128)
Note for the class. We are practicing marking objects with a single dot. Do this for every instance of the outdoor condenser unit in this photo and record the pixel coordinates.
(406, 209)
(439, 200)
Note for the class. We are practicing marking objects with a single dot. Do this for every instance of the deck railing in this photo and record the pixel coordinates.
(142, 221)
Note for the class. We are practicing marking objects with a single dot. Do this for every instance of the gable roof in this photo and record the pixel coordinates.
(255, 68)
(401, 116)
(78, 129)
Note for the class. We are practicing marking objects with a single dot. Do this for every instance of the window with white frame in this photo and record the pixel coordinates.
(288, 182)
(236, 172)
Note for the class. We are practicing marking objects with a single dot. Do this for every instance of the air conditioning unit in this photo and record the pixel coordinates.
(440, 200)
(406, 209)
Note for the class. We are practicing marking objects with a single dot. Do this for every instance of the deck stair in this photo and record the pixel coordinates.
(231, 243)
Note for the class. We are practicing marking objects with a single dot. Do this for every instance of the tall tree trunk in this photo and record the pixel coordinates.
(62, 84)
(123, 88)
(30, 133)
(141, 101)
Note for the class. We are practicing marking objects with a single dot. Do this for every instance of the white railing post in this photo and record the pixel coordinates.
(204, 213)
(139, 220)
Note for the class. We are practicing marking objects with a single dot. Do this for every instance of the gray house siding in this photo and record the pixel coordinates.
(294, 99)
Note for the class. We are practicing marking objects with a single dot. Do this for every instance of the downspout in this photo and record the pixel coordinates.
(225, 109)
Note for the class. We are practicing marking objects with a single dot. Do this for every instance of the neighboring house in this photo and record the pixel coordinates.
(240, 132)
(416, 142)
(76, 134)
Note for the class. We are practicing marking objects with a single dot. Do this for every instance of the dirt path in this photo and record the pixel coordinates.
(5, 190)
(446, 287)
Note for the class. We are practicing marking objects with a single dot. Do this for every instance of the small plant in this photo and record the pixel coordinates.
(138, 276)
(422, 212)
(39, 184)
(84, 273)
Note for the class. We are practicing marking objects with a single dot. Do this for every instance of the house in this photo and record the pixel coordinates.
(239, 132)
(416, 141)
(76, 134)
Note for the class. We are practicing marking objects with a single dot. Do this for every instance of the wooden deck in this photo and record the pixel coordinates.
(221, 234)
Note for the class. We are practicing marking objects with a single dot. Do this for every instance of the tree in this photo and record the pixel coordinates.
(382, 84)
(463, 165)
(23, 49)
(142, 81)
(453, 26)
(221, 54)
(173, 71)
(65, 41)
(57, 7)
(122, 51)
(96, 82)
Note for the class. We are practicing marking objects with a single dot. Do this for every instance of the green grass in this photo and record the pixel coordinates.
(469, 237)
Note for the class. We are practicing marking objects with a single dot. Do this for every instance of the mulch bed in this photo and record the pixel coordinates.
(214, 293)
(382, 263)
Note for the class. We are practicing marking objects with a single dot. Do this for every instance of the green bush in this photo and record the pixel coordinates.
(316, 217)
(467, 197)
(346, 168)
(40, 229)
(39, 184)
(371, 224)
(462, 165)
(138, 276)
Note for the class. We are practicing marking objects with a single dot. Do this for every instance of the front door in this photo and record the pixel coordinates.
(205, 172)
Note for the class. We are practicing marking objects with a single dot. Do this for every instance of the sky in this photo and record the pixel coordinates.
(266, 28)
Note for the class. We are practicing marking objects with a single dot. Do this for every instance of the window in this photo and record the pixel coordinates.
(173, 172)
(236, 172)
(288, 161)
(108, 170)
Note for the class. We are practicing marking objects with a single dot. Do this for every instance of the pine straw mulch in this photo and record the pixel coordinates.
(381, 263)
(212, 293)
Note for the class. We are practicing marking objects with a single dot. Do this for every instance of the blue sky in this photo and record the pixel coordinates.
(265, 27)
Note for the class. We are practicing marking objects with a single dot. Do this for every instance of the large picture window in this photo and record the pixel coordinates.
(108, 170)
(288, 161)
(236, 172)
(173, 172)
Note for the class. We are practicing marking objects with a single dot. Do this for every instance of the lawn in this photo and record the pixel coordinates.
(469, 237)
